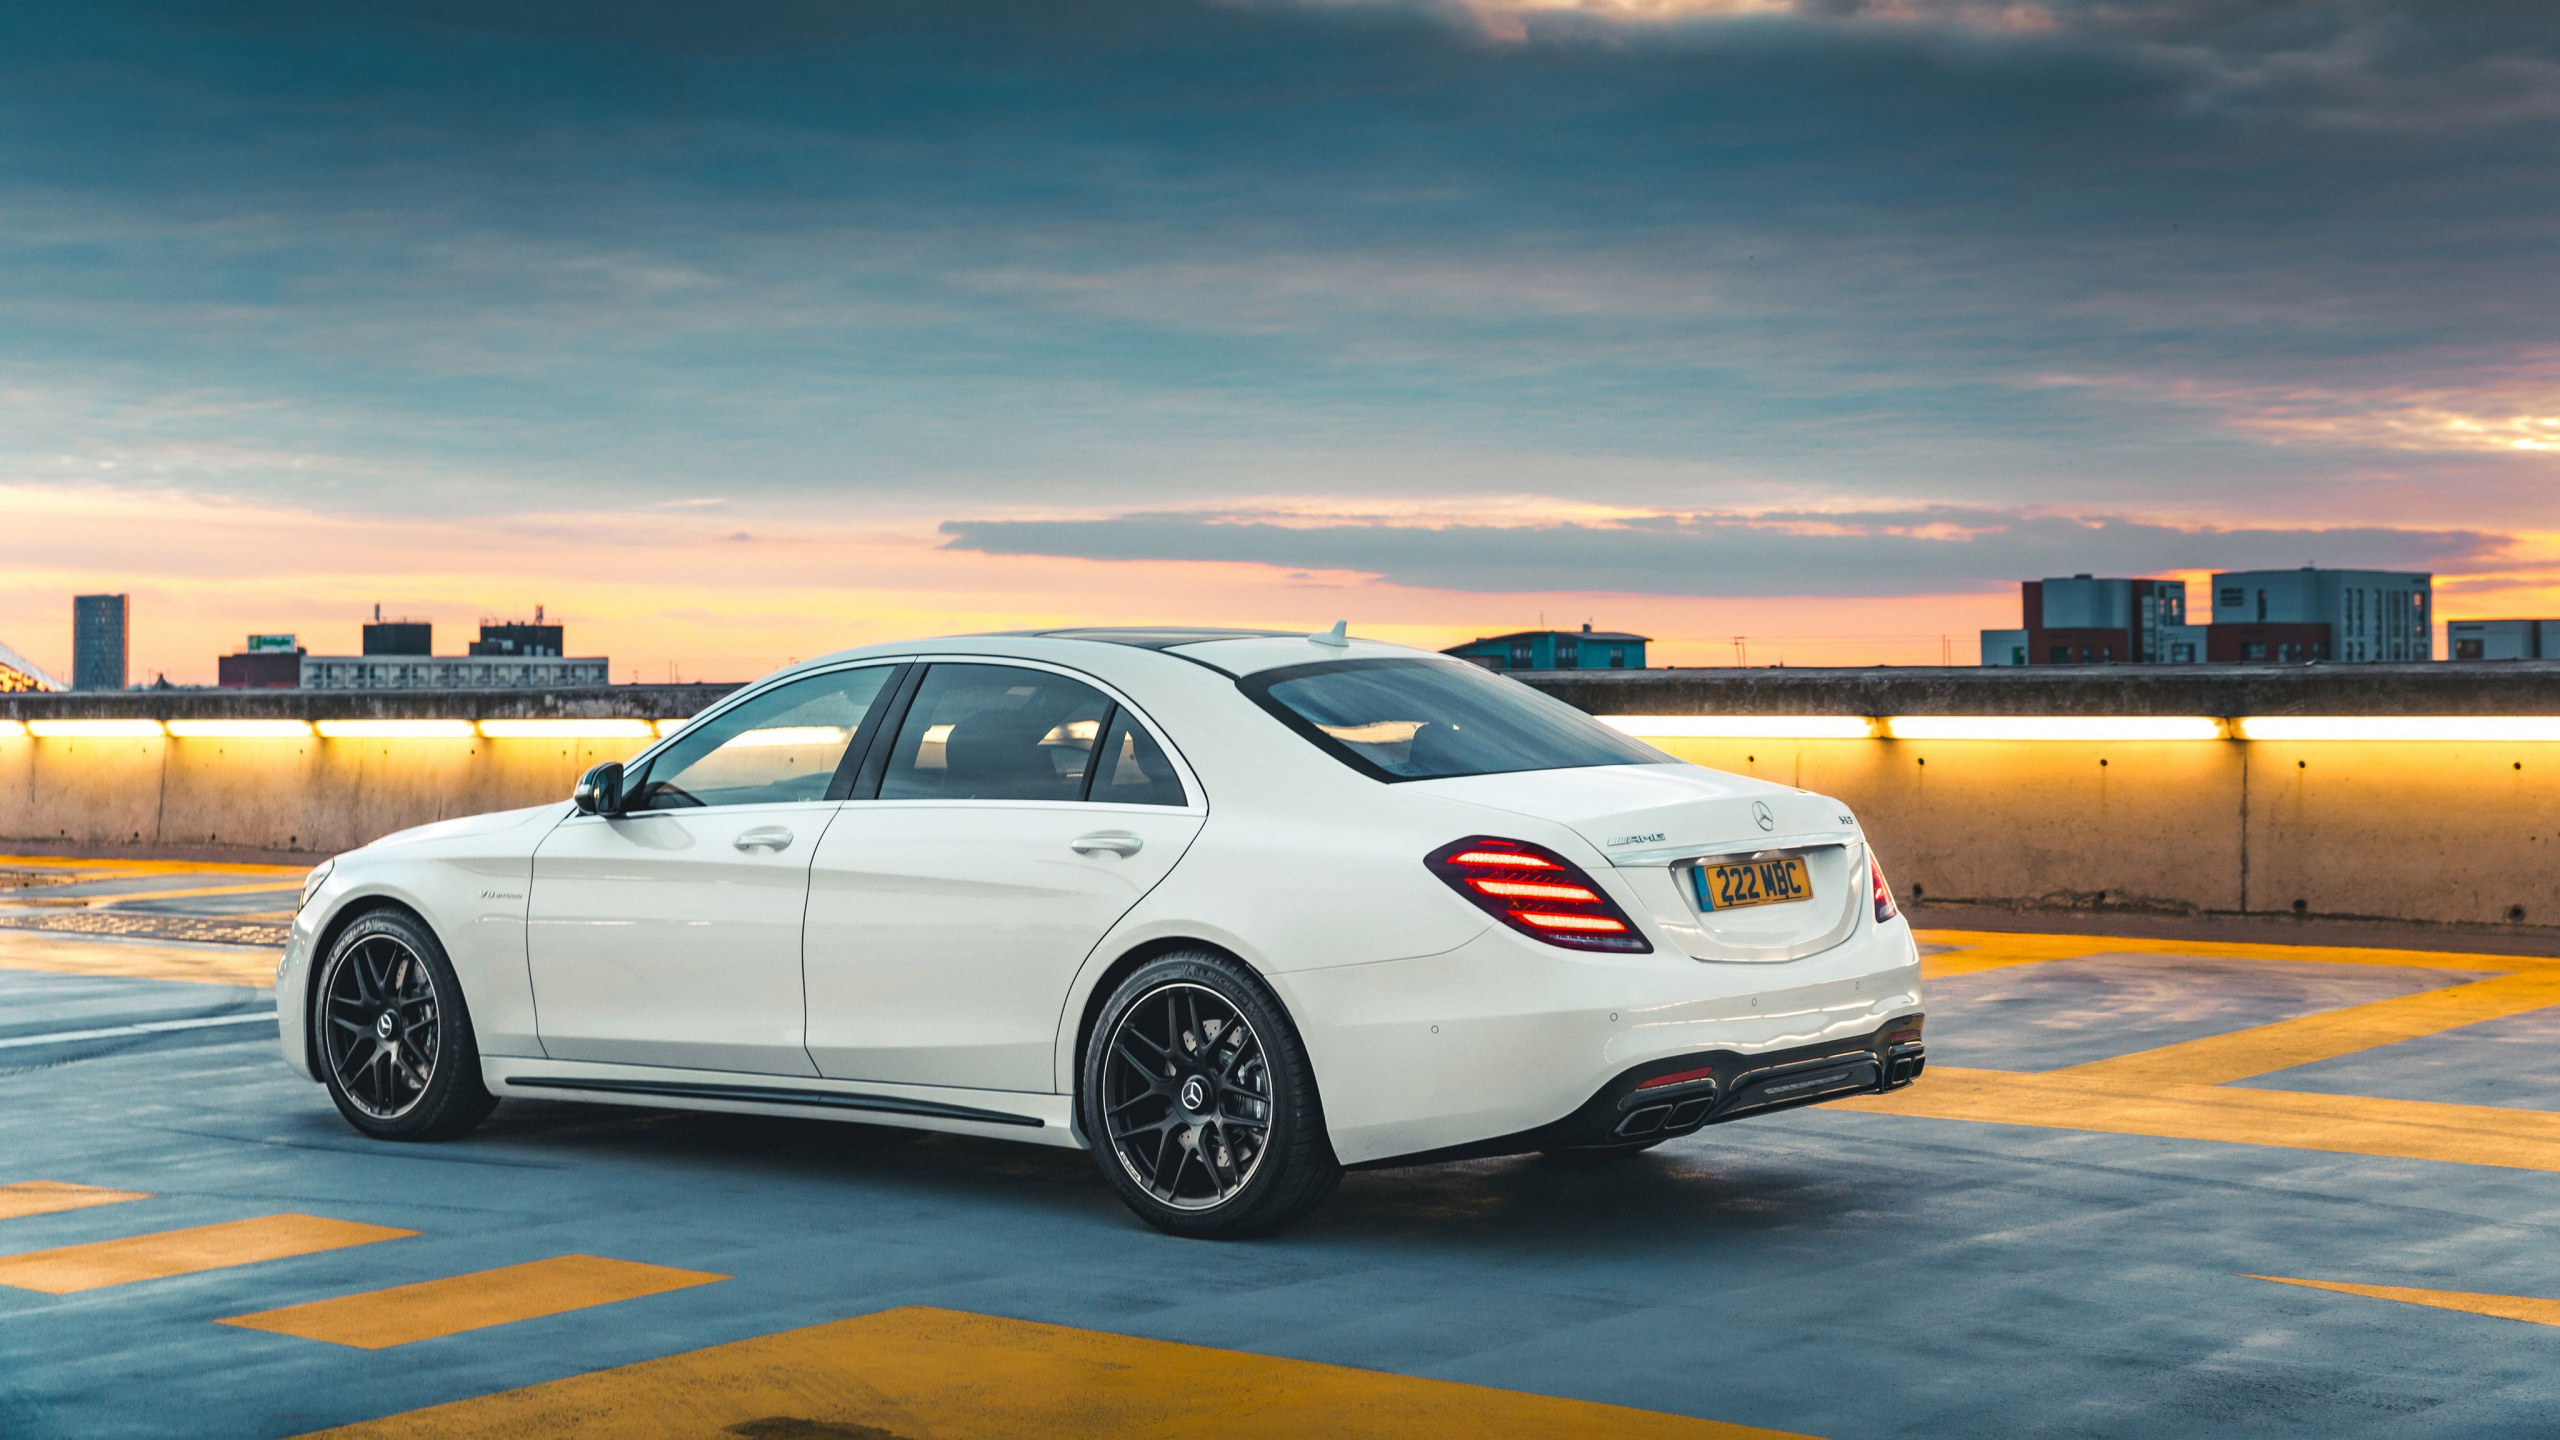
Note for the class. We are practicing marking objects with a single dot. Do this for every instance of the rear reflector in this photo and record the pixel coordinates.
(1536, 892)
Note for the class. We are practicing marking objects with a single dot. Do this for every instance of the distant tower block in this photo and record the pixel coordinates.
(100, 635)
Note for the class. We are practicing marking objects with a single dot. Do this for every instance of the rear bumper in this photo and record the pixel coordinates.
(1504, 1035)
(1684, 1093)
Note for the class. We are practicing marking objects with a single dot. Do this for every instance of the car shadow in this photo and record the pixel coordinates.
(1692, 1192)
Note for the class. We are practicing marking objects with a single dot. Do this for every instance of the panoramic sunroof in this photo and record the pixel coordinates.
(1161, 639)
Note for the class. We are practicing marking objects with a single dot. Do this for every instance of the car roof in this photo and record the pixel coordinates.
(1231, 652)
(1151, 638)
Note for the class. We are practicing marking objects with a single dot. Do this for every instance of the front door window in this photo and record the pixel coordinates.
(782, 746)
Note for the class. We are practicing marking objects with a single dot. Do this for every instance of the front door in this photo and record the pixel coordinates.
(670, 934)
(1021, 813)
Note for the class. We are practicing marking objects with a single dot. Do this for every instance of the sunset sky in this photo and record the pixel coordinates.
(737, 333)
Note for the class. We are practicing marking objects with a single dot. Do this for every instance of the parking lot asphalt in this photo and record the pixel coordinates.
(2148, 1188)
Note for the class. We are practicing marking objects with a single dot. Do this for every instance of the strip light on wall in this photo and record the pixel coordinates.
(797, 736)
(241, 729)
(396, 729)
(13, 727)
(2053, 727)
(2399, 727)
(669, 727)
(1743, 727)
(93, 729)
(566, 729)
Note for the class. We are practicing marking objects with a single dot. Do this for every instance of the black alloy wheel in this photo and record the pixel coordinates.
(1188, 1100)
(392, 1036)
(1200, 1104)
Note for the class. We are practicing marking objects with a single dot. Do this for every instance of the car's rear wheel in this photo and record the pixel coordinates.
(393, 1036)
(1200, 1104)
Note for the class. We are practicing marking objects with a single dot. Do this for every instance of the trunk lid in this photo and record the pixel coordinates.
(1657, 823)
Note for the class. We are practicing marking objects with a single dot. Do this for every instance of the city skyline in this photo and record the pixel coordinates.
(736, 342)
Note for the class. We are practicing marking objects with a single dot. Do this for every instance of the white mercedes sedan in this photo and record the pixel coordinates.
(1233, 910)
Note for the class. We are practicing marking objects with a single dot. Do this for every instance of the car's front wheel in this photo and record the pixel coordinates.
(1200, 1104)
(393, 1036)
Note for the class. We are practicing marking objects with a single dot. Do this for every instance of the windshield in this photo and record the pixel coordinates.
(1427, 719)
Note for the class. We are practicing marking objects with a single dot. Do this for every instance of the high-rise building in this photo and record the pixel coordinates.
(2354, 616)
(510, 655)
(399, 637)
(2098, 620)
(1585, 649)
(270, 662)
(99, 638)
(518, 637)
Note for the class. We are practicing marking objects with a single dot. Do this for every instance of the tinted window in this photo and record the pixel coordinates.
(994, 732)
(784, 744)
(1419, 719)
(1133, 769)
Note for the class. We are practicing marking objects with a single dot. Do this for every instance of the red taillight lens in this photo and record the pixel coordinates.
(1536, 892)
(1885, 908)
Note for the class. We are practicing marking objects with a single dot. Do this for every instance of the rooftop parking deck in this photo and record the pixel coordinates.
(2186, 1182)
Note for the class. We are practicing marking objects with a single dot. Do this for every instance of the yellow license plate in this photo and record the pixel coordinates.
(1752, 882)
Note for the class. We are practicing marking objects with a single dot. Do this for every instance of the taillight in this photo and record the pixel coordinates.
(1885, 908)
(1536, 892)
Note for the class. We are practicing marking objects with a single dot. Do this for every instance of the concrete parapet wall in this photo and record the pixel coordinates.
(602, 702)
(2451, 832)
(308, 795)
(2523, 687)
(2440, 831)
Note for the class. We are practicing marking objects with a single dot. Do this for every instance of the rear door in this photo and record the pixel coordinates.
(1019, 813)
(670, 934)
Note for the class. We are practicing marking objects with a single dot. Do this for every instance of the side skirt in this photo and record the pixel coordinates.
(1037, 1119)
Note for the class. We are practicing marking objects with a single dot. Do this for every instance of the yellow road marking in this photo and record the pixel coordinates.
(45, 1197)
(108, 868)
(2339, 1124)
(1981, 950)
(380, 1319)
(2505, 1307)
(2265, 1049)
(917, 1371)
(183, 1252)
(54, 893)
(55, 953)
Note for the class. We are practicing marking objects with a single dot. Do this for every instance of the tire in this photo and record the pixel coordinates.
(1597, 1154)
(1199, 1102)
(392, 1034)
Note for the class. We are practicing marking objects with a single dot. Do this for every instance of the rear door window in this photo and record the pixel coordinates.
(996, 732)
(1132, 768)
(1430, 719)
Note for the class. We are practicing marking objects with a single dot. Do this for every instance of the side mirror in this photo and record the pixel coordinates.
(599, 791)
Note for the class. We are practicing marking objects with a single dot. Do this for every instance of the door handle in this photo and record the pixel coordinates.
(1117, 842)
(774, 837)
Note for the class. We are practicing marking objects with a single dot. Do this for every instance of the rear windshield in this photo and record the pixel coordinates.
(1426, 719)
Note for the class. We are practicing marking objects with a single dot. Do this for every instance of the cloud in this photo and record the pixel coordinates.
(860, 257)
(2357, 64)
(1934, 550)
